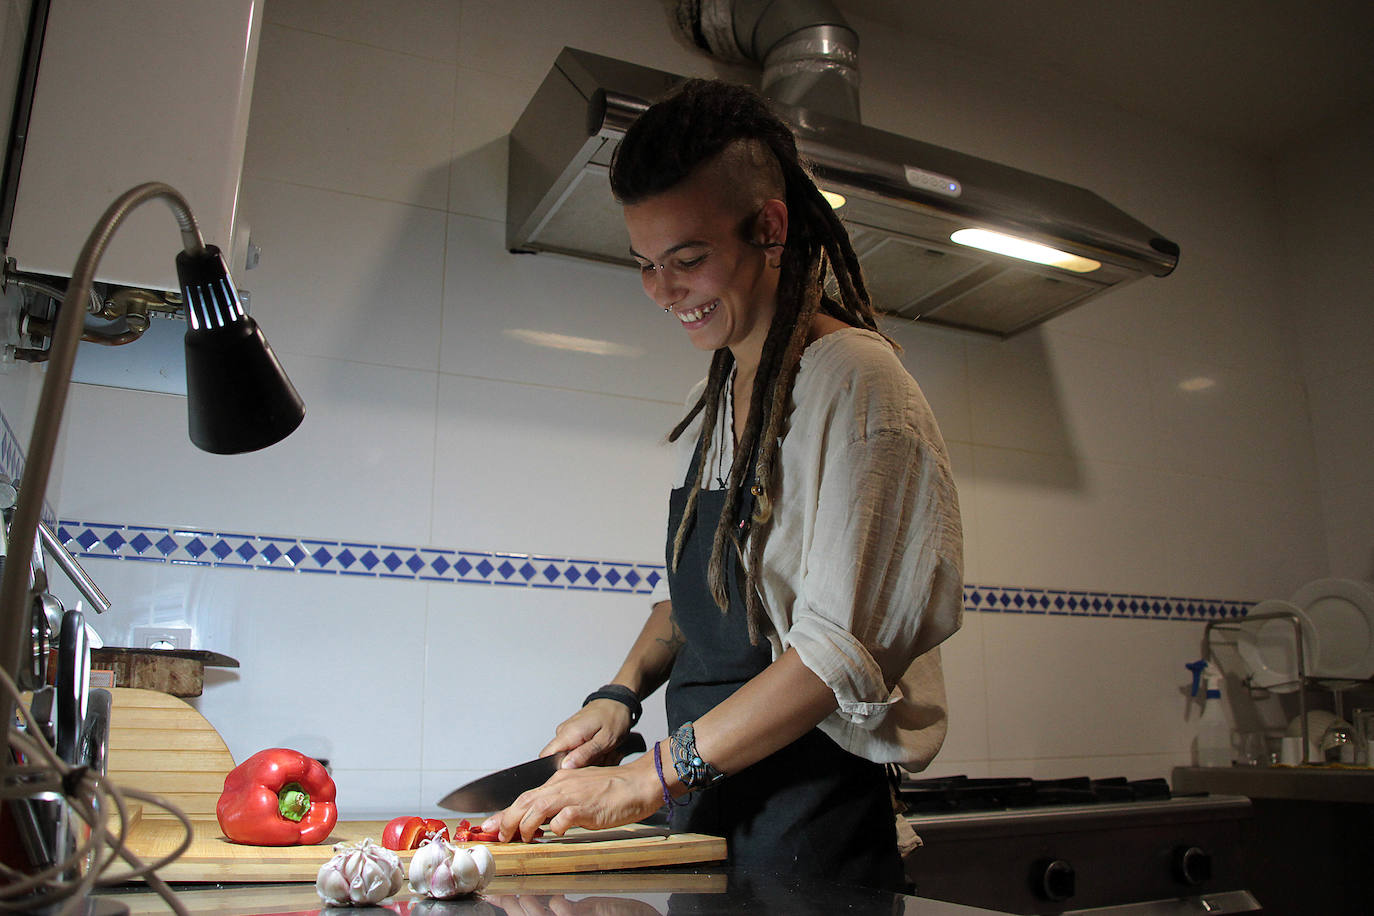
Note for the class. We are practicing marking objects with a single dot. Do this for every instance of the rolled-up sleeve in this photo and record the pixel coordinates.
(862, 562)
(885, 526)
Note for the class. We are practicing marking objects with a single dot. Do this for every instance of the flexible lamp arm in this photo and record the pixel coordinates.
(14, 588)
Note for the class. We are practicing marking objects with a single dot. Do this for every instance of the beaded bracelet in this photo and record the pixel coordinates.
(694, 772)
(621, 694)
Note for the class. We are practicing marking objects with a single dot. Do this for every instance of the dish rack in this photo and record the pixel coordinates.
(1304, 681)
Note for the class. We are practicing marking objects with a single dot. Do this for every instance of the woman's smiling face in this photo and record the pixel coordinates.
(693, 245)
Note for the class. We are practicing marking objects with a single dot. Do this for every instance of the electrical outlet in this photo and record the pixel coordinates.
(162, 637)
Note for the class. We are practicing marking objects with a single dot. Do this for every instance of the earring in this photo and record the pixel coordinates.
(770, 247)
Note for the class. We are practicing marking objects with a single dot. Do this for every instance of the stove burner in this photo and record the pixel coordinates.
(960, 793)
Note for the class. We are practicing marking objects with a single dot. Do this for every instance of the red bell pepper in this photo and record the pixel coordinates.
(277, 797)
(409, 832)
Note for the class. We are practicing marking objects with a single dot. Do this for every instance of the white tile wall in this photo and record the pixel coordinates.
(520, 38)
(485, 644)
(556, 321)
(302, 681)
(1221, 422)
(424, 28)
(1328, 210)
(353, 117)
(1244, 540)
(462, 397)
(1057, 394)
(370, 271)
(361, 464)
(1349, 517)
(1087, 696)
(1055, 521)
(529, 468)
(486, 107)
(1340, 401)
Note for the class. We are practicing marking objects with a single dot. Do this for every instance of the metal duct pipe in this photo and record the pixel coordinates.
(809, 54)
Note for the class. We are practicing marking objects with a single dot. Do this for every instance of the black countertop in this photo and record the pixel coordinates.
(643, 892)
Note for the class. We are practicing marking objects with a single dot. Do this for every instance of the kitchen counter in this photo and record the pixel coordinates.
(1306, 783)
(643, 892)
(1309, 848)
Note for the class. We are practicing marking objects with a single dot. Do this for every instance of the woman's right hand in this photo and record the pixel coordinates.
(591, 735)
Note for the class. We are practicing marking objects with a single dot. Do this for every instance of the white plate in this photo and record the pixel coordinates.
(1342, 610)
(1268, 647)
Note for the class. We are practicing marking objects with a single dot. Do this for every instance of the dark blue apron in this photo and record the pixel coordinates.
(810, 808)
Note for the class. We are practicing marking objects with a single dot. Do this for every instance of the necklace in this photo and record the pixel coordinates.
(725, 424)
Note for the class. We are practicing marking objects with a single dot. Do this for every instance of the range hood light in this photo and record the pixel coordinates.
(835, 199)
(1014, 247)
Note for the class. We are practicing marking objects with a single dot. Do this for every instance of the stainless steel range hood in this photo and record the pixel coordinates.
(904, 199)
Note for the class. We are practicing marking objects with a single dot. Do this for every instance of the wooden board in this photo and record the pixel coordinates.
(161, 744)
(213, 858)
(180, 672)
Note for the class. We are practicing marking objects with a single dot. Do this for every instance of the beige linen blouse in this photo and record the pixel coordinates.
(863, 563)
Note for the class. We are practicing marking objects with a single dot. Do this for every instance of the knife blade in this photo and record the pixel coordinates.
(497, 790)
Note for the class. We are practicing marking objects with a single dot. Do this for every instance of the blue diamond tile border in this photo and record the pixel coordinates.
(1006, 599)
(196, 547)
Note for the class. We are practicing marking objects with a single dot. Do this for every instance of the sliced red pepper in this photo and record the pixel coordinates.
(473, 833)
(409, 832)
(277, 797)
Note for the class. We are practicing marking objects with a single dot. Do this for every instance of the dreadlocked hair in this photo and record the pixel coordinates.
(671, 139)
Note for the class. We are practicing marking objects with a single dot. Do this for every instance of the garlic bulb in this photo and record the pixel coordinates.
(443, 871)
(359, 874)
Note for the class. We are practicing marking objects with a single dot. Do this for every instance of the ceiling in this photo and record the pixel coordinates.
(1254, 74)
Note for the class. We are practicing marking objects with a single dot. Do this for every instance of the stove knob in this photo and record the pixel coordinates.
(1053, 879)
(1192, 865)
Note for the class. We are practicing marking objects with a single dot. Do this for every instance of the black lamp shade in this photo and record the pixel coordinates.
(238, 398)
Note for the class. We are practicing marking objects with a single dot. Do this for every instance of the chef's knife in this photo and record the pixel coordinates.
(497, 790)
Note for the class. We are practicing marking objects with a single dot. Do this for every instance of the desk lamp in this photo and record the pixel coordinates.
(238, 398)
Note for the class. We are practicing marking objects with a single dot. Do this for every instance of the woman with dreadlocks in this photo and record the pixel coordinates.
(814, 550)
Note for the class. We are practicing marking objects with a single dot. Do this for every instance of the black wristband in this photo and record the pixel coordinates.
(621, 694)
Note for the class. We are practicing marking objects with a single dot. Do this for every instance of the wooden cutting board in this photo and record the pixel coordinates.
(213, 858)
(162, 744)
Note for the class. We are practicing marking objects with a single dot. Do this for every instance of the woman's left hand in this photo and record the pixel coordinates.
(591, 797)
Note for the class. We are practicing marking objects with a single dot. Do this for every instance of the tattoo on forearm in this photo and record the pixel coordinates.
(676, 640)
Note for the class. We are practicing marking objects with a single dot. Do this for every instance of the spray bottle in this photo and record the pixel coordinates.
(1213, 746)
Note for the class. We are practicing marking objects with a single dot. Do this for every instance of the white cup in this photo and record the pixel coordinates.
(1290, 751)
